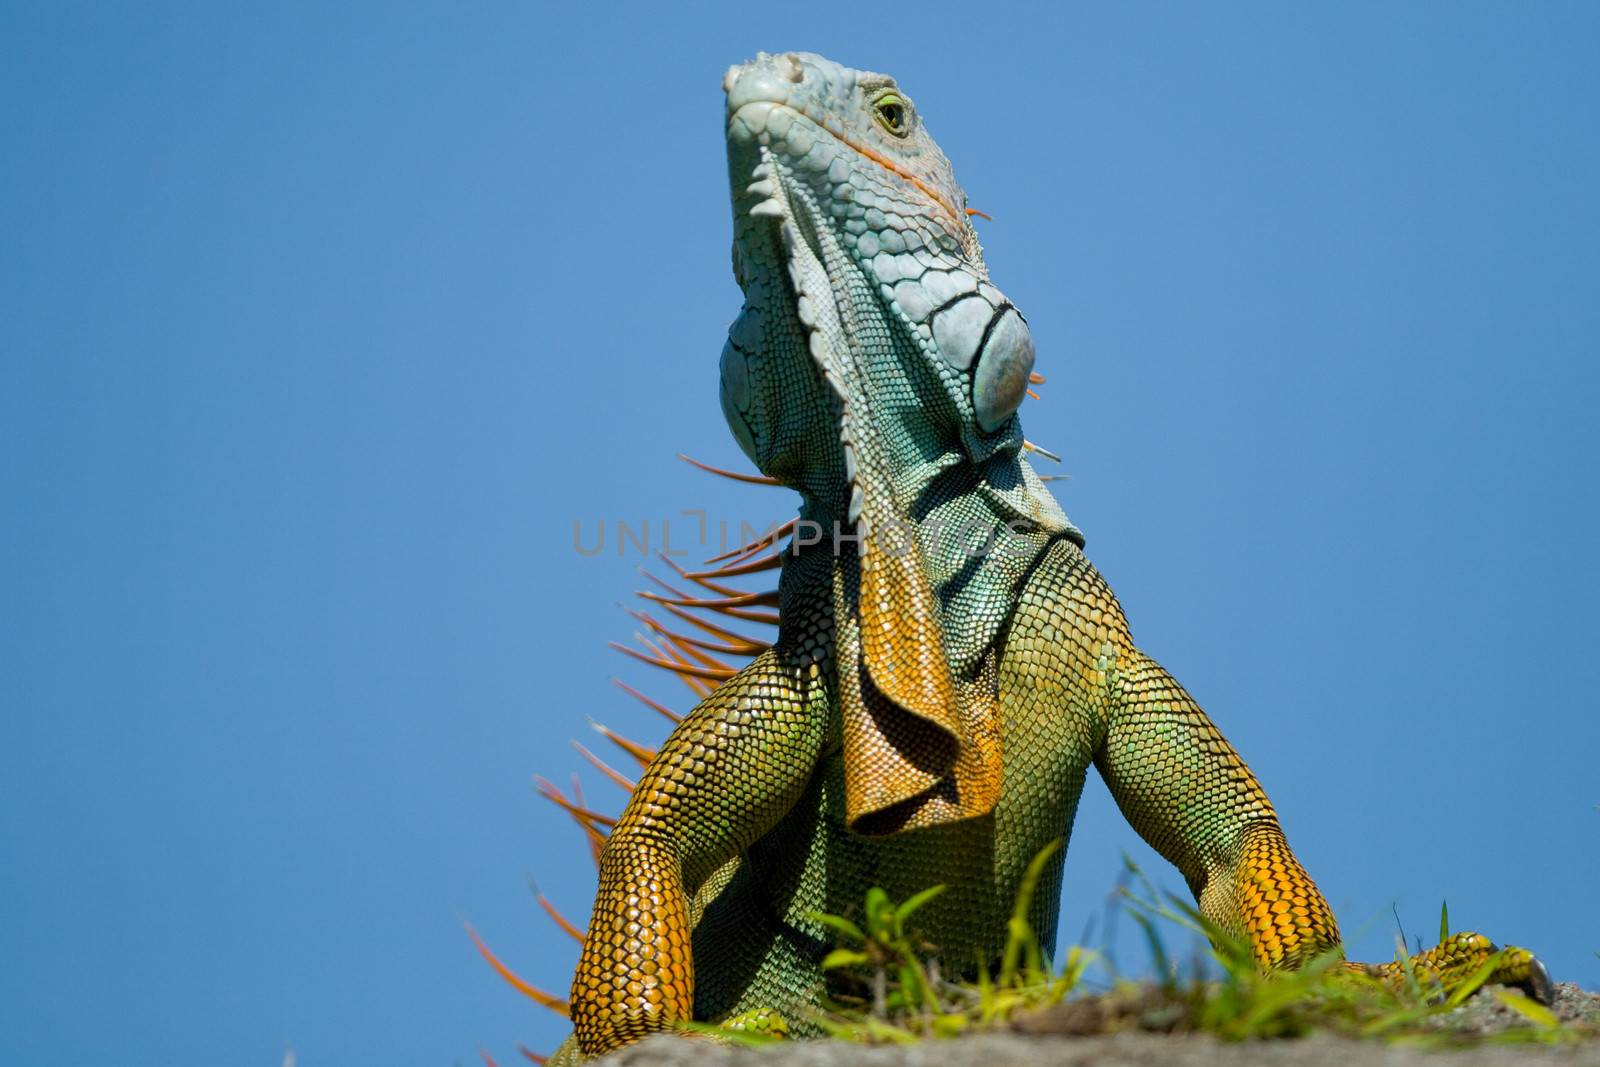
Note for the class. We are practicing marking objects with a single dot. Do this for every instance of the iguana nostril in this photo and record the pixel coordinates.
(759, 78)
(766, 79)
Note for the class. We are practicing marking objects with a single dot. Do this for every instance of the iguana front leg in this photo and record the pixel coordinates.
(1191, 797)
(729, 771)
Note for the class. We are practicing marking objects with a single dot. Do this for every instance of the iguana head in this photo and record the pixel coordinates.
(860, 267)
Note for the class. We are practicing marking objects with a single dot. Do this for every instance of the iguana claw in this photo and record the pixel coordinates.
(1521, 969)
(1538, 984)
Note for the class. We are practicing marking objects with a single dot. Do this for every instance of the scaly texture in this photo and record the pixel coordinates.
(949, 663)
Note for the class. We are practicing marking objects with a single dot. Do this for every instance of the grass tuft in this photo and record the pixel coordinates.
(890, 986)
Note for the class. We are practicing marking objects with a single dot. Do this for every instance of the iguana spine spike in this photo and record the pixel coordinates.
(697, 649)
(663, 583)
(704, 583)
(768, 617)
(660, 651)
(1045, 452)
(532, 992)
(686, 643)
(748, 646)
(533, 1057)
(767, 599)
(752, 479)
(670, 715)
(744, 552)
(590, 820)
(759, 543)
(670, 652)
(642, 754)
(765, 563)
(555, 913)
(717, 674)
(628, 784)
(666, 657)
(597, 839)
(693, 647)
(1035, 378)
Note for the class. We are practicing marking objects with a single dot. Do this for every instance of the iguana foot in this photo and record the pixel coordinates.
(1459, 956)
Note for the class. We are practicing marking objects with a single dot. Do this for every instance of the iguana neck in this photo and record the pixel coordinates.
(877, 369)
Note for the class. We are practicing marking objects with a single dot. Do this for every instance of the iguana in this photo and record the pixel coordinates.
(948, 663)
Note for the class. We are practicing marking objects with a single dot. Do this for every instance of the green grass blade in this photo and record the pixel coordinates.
(1019, 935)
(909, 908)
(838, 924)
(1158, 947)
(844, 957)
(880, 913)
(747, 1038)
(1538, 1014)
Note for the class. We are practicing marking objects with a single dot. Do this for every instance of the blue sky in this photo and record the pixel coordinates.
(320, 328)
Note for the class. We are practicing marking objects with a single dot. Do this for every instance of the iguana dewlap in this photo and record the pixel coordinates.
(949, 663)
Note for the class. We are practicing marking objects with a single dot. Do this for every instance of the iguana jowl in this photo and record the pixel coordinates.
(949, 663)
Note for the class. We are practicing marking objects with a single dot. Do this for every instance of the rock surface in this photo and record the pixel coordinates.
(1481, 1015)
(1486, 1015)
(1117, 1050)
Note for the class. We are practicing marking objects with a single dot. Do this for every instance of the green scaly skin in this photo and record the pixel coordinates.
(929, 713)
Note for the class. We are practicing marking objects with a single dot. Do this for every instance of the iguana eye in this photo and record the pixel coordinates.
(893, 114)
